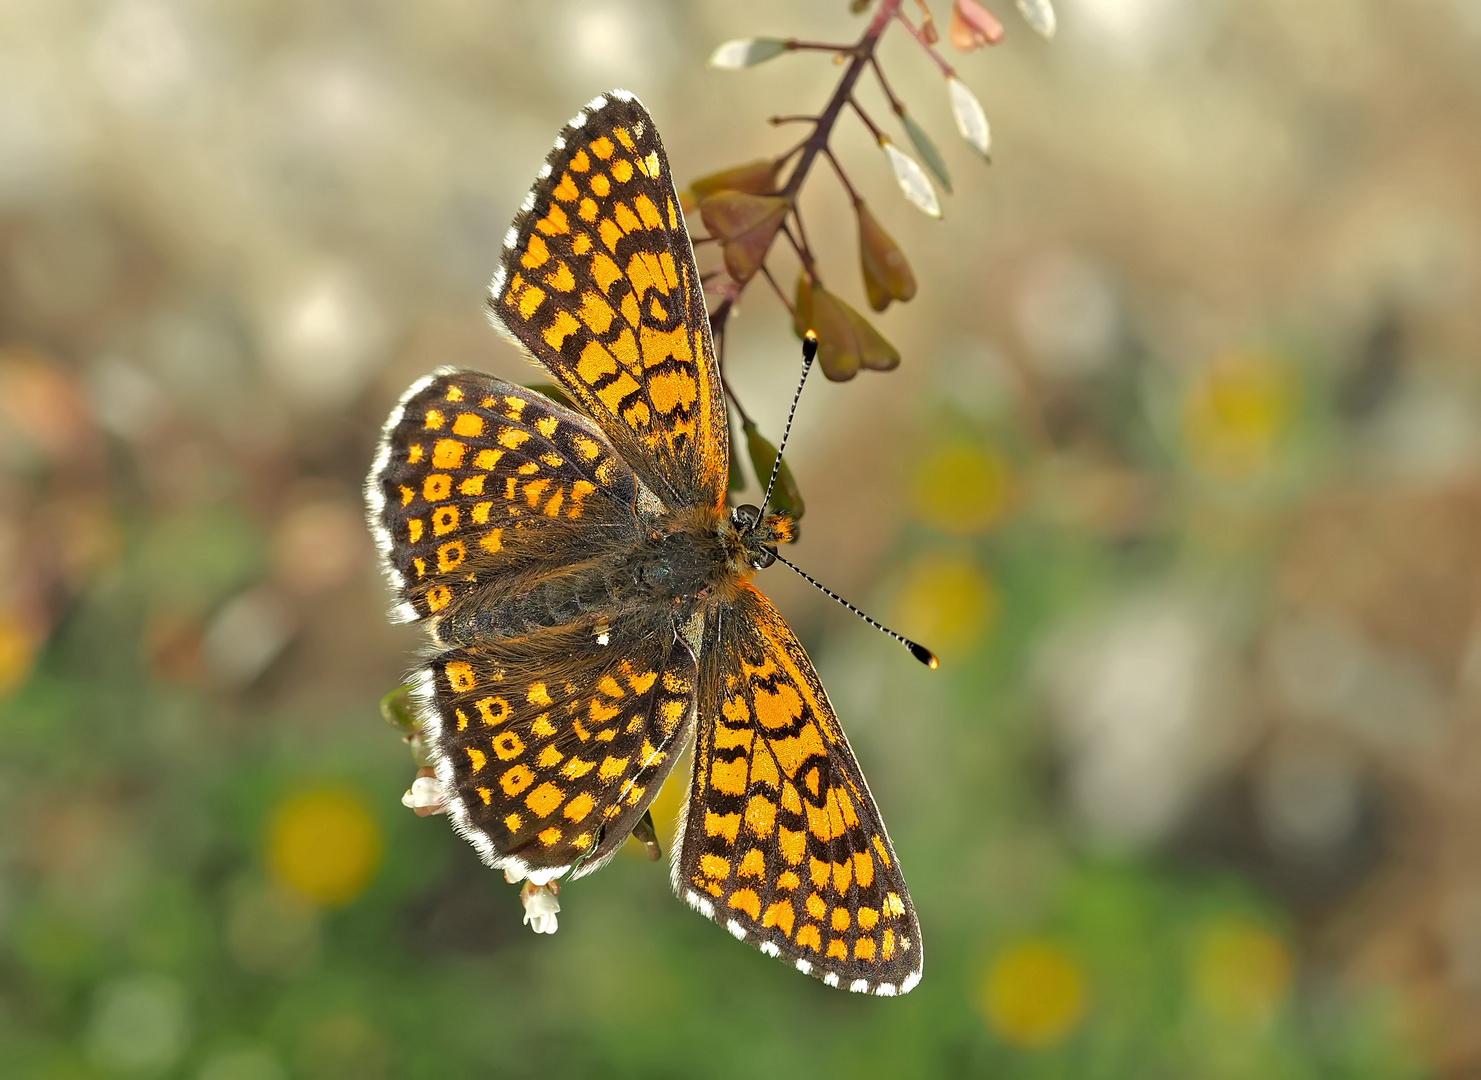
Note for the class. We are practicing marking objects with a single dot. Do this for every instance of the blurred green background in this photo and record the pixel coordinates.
(1179, 476)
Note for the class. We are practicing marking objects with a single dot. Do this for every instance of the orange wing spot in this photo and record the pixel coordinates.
(819, 871)
(579, 490)
(512, 822)
(666, 265)
(884, 856)
(640, 274)
(462, 719)
(839, 920)
(734, 710)
(624, 137)
(544, 799)
(753, 865)
(868, 918)
(817, 823)
(779, 709)
(485, 794)
(587, 448)
(566, 190)
(516, 780)
(600, 186)
(490, 541)
(729, 777)
(729, 738)
(579, 807)
(746, 900)
(811, 780)
(656, 312)
(560, 328)
(788, 880)
(587, 211)
(550, 837)
(414, 531)
(837, 949)
(605, 271)
(438, 597)
(781, 915)
(444, 520)
(473, 485)
(647, 212)
(609, 686)
(602, 147)
(893, 905)
(513, 438)
(815, 906)
(476, 758)
(835, 816)
(726, 825)
(673, 215)
(575, 768)
(582, 244)
(659, 345)
(791, 752)
(538, 694)
(843, 873)
(543, 728)
(671, 712)
(546, 426)
(625, 348)
(530, 301)
(492, 710)
(790, 800)
(619, 388)
(407, 494)
(450, 556)
(630, 310)
(595, 362)
(622, 170)
(448, 453)
(437, 487)
(561, 279)
(553, 507)
(672, 390)
(610, 233)
(434, 419)
(454, 393)
(421, 568)
(536, 253)
(508, 745)
(600, 713)
(549, 758)
(846, 807)
(580, 162)
(887, 950)
(650, 163)
(487, 459)
(553, 223)
(612, 768)
(635, 794)
(764, 772)
(641, 684)
(863, 869)
(712, 866)
(791, 844)
(760, 815)
(810, 937)
(864, 948)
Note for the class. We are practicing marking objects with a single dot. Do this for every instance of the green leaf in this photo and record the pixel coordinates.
(737, 472)
(927, 151)
(785, 496)
(396, 708)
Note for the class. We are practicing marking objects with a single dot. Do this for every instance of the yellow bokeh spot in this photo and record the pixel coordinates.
(1241, 972)
(1034, 995)
(17, 649)
(1236, 413)
(961, 488)
(324, 846)
(946, 602)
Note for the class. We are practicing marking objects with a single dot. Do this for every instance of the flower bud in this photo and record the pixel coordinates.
(912, 179)
(747, 52)
(973, 26)
(745, 226)
(753, 178)
(540, 906)
(887, 275)
(846, 340)
(426, 795)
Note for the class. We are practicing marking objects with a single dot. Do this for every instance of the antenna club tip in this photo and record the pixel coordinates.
(924, 655)
(809, 346)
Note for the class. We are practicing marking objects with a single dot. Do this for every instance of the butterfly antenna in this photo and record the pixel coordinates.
(920, 652)
(809, 350)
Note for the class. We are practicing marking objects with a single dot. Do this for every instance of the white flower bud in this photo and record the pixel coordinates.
(912, 179)
(540, 907)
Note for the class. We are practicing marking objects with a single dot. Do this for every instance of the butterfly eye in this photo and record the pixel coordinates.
(764, 558)
(745, 515)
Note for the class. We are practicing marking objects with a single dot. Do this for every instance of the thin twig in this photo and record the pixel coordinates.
(946, 69)
(782, 296)
(842, 179)
(879, 136)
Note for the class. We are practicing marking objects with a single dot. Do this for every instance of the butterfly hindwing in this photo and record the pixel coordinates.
(781, 841)
(599, 282)
(550, 749)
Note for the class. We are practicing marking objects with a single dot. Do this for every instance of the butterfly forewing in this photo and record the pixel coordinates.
(782, 843)
(599, 282)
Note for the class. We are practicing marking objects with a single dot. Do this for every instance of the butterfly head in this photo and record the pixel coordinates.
(759, 536)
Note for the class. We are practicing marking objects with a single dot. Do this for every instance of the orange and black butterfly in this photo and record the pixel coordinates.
(589, 590)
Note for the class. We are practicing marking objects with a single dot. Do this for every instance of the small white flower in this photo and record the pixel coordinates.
(540, 907)
(912, 179)
(513, 876)
(746, 52)
(1039, 14)
(425, 796)
(971, 121)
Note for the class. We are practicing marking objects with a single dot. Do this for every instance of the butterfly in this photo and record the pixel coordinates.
(589, 592)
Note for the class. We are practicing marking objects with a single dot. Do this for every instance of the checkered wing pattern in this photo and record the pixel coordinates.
(598, 281)
(781, 842)
(481, 484)
(550, 764)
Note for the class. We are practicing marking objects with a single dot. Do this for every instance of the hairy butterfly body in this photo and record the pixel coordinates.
(589, 591)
